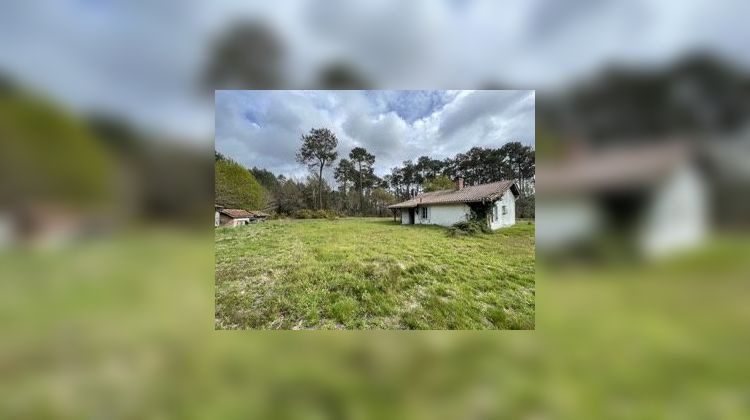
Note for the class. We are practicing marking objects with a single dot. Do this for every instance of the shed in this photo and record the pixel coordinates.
(239, 217)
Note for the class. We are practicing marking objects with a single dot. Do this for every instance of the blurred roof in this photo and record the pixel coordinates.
(632, 167)
(465, 195)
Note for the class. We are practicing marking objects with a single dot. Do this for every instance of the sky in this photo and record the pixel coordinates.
(264, 128)
(143, 61)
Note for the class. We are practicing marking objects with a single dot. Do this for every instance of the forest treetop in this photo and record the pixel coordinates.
(359, 191)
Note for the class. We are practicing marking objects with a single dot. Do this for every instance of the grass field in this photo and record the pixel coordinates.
(123, 326)
(372, 273)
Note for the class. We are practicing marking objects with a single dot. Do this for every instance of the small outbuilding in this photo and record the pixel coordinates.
(239, 217)
(494, 202)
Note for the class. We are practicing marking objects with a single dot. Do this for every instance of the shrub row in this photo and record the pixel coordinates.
(308, 214)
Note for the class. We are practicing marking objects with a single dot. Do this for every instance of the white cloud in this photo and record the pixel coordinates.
(263, 128)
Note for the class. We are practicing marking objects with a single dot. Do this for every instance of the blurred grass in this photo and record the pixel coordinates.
(122, 328)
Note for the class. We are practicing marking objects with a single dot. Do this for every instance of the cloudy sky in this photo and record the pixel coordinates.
(143, 61)
(263, 128)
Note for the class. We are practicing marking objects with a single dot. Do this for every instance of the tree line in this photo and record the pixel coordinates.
(360, 192)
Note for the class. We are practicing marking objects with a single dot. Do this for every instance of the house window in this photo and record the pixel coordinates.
(424, 212)
(494, 213)
(505, 210)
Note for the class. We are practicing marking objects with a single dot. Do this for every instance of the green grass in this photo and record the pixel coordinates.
(372, 273)
(123, 325)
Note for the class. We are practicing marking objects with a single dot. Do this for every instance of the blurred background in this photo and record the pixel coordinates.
(106, 251)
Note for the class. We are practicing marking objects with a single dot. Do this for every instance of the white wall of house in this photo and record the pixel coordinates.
(563, 220)
(443, 215)
(448, 214)
(504, 211)
(404, 216)
(677, 216)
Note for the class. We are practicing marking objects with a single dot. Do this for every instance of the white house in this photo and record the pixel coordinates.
(651, 196)
(496, 201)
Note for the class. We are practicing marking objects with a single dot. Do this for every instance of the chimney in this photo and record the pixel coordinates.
(460, 183)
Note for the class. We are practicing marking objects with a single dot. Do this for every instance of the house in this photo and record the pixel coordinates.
(650, 198)
(495, 202)
(239, 217)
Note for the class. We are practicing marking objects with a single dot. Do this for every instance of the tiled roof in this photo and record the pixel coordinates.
(236, 213)
(466, 195)
(242, 214)
(634, 167)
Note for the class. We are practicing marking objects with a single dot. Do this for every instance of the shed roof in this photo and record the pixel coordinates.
(243, 214)
(469, 194)
(236, 213)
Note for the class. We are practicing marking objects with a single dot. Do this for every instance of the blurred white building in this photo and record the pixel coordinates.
(651, 197)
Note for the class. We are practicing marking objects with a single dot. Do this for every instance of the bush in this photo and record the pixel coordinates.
(236, 187)
(315, 214)
(320, 214)
(469, 227)
(303, 214)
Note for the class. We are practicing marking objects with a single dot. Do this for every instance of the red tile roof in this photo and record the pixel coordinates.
(469, 194)
(236, 213)
(243, 214)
